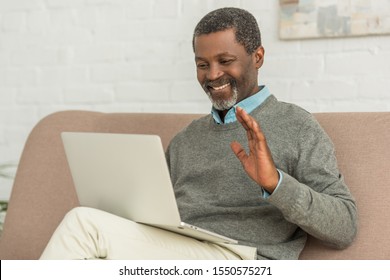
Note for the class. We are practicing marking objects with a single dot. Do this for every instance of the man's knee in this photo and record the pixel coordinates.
(77, 211)
(78, 214)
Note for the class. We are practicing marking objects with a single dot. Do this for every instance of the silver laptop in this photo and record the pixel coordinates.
(127, 175)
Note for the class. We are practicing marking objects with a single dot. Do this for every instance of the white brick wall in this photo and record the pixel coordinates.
(136, 55)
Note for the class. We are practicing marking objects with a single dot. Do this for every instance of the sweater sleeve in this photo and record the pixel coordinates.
(314, 196)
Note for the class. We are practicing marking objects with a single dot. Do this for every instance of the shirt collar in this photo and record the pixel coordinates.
(248, 104)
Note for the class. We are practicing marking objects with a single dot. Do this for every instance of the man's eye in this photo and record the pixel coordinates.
(201, 65)
(226, 61)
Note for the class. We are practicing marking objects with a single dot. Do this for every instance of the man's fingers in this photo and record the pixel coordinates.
(241, 116)
(251, 126)
(239, 151)
(257, 132)
(246, 122)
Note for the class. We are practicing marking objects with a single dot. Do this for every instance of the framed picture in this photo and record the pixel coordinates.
(333, 18)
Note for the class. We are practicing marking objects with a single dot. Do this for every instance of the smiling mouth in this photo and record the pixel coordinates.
(220, 87)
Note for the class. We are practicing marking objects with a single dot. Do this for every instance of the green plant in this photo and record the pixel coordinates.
(5, 170)
(3, 205)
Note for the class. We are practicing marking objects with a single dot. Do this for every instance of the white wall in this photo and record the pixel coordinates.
(136, 56)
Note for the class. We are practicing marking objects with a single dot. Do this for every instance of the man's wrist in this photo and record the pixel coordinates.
(266, 192)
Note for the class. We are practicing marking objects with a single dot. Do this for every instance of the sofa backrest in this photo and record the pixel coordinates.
(362, 148)
(43, 190)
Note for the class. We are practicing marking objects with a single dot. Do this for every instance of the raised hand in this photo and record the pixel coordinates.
(258, 164)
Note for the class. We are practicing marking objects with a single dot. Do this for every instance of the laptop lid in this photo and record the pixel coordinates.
(123, 174)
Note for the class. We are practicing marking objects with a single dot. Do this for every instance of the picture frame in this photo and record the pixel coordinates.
(300, 19)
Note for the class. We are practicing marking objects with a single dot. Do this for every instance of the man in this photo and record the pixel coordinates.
(256, 169)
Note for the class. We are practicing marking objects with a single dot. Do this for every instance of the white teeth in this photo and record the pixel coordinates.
(221, 87)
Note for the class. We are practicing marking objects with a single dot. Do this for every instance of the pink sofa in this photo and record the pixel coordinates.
(43, 190)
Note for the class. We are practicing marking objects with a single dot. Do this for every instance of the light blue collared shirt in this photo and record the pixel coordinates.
(248, 104)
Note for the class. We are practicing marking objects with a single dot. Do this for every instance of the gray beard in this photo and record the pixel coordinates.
(224, 104)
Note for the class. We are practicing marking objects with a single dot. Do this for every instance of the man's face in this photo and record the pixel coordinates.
(226, 72)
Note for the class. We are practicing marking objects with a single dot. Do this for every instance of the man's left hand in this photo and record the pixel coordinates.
(258, 164)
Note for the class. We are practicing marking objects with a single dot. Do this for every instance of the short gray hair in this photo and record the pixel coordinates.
(244, 24)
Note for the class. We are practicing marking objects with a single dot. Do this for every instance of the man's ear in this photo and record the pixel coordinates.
(259, 57)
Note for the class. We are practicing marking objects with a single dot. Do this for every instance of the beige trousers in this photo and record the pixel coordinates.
(87, 233)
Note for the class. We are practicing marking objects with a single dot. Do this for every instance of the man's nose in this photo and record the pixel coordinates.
(214, 72)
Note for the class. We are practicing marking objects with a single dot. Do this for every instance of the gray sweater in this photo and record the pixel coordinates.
(214, 192)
